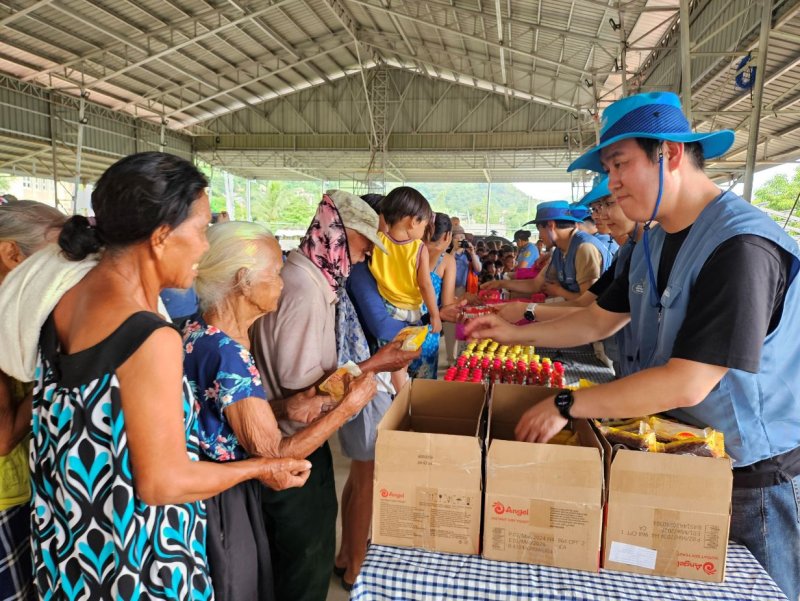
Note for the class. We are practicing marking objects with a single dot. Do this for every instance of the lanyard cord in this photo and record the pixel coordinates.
(655, 300)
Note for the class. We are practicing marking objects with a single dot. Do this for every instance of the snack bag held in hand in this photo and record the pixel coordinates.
(338, 382)
(412, 337)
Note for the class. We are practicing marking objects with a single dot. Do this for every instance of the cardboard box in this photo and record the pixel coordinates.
(427, 488)
(544, 502)
(668, 515)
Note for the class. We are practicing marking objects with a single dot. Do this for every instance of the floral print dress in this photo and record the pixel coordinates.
(220, 372)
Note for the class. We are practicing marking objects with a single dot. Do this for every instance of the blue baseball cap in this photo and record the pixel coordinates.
(599, 191)
(556, 210)
(654, 115)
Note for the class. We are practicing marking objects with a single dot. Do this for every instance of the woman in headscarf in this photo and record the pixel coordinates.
(311, 334)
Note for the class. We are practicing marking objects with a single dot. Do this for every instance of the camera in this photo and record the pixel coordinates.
(463, 244)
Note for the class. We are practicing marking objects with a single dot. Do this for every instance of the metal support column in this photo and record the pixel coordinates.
(247, 202)
(623, 45)
(162, 135)
(79, 149)
(54, 151)
(230, 205)
(686, 61)
(488, 203)
(758, 94)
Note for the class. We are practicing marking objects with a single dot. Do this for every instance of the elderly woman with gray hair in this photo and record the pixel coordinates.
(238, 280)
(25, 227)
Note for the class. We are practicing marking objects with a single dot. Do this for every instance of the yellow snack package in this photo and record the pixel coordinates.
(412, 337)
(338, 382)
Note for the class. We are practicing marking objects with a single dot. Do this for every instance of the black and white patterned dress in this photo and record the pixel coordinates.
(93, 537)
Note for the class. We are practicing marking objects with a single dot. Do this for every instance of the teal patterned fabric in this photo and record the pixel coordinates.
(93, 537)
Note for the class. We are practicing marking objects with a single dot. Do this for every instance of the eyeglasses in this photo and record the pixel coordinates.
(601, 205)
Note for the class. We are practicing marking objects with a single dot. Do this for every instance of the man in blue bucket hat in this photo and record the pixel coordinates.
(712, 297)
(578, 259)
(593, 222)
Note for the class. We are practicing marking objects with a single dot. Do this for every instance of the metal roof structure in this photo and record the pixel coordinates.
(406, 90)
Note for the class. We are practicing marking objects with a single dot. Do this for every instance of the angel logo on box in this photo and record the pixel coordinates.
(388, 494)
(501, 509)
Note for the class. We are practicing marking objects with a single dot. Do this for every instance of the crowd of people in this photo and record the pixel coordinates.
(162, 430)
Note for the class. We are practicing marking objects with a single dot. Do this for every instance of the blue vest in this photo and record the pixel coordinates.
(565, 266)
(606, 239)
(759, 414)
(620, 347)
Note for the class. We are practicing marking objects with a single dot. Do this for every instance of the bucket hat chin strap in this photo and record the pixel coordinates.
(654, 296)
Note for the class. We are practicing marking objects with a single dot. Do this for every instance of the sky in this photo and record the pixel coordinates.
(562, 190)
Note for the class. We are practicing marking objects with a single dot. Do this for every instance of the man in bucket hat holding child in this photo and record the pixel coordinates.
(712, 299)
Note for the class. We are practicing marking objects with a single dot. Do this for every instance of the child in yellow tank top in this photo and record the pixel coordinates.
(403, 273)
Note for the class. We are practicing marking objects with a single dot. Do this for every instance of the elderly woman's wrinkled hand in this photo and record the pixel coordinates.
(360, 392)
(392, 357)
(280, 474)
(306, 406)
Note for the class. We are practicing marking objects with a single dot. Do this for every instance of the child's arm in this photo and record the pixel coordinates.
(428, 293)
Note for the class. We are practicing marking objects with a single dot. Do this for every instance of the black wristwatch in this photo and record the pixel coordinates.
(530, 314)
(564, 400)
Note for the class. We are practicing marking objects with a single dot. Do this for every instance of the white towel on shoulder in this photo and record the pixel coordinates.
(27, 297)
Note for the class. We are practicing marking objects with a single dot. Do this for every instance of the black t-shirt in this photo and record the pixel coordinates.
(736, 301)
(605, 280)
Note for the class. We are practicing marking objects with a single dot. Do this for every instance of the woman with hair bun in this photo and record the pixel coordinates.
(117, 485)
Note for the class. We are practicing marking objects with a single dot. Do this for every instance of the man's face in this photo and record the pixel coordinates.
(632, 178)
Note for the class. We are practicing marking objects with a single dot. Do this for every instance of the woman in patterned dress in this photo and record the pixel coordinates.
(117, 488)
(238, 281)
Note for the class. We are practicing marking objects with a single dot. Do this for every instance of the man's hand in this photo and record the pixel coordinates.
(306, 406)
(553, 289)
(360, 392)
(492, 326)
(280, 474)
(452, 311)
(540, 423)
(511, 312)
(392, 357)
(492, 285)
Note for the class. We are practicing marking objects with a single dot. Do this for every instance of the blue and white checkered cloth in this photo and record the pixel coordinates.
(411, 574)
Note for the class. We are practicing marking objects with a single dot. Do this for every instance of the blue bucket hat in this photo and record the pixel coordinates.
(654, 115)
(578, 211)
(599, 191)
(556, 210)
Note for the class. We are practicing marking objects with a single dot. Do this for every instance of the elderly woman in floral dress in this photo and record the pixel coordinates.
(238, 281)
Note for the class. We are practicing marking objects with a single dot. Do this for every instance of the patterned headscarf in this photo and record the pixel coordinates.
(325, 244)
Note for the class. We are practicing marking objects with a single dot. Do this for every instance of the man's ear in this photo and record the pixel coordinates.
(673, 154)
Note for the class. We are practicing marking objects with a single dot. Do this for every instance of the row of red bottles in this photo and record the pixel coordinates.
(490, 372)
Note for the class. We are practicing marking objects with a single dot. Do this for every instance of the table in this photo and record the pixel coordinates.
(579, 362)
(412, 574)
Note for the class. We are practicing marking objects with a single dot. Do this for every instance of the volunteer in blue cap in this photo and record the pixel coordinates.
(618, 347)
(593, 222)
(712, 296)
(579, 259)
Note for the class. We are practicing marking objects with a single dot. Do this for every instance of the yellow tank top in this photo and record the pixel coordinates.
(15, 476)
(396, 272)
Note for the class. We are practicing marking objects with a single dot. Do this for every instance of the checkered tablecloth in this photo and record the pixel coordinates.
(412, 574)
(579, 362)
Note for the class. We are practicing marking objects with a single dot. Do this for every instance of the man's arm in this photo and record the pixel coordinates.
(579, 327)
(678, 383)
